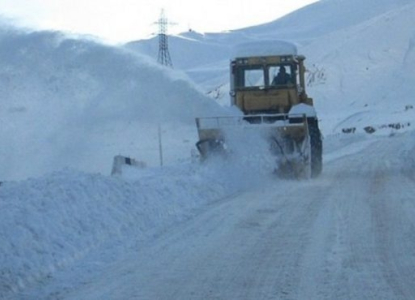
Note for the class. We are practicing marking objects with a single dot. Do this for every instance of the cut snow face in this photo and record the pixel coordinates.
(77, 103)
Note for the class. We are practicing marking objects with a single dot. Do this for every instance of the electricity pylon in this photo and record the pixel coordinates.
(164, 55)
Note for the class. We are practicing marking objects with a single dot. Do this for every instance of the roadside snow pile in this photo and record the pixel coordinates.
(49, 223)
(58, 93)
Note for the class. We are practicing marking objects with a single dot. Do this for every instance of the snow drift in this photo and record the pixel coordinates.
(69, 102)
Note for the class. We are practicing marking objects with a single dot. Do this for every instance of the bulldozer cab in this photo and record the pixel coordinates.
(268, 84)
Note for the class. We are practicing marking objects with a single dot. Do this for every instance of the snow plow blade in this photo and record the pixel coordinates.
(287, 136)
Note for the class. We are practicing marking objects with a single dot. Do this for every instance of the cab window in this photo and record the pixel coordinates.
(251, 77)
(281, 75)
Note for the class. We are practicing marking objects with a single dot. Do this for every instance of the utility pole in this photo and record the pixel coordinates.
(164, 55)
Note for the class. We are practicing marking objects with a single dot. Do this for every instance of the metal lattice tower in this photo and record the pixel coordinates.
(164, 55)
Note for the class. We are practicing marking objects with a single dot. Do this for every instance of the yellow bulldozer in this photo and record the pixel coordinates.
(270, 91)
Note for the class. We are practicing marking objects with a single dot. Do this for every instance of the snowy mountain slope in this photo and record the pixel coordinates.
(76, 103)
(360, 52)
(324, 17)
(367, 71)
(306, 24)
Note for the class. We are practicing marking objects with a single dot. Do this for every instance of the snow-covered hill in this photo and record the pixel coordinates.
(325, 17)
(366, 72)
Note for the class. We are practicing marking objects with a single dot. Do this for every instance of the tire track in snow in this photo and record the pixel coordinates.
(395, 237)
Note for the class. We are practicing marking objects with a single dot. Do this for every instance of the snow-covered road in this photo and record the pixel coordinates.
(347, 235)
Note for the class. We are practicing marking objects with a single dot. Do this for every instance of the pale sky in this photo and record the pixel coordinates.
(126, 20)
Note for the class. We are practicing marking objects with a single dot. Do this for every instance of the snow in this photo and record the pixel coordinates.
(357, 62)
(52, 222)
(264, 48)
(225, 229)
(303, 109)
(69, 100)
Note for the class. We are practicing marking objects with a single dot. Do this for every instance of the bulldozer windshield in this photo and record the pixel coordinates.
(282, 75)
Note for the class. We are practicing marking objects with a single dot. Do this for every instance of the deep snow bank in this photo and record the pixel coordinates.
(59, 93)
(52, 222)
